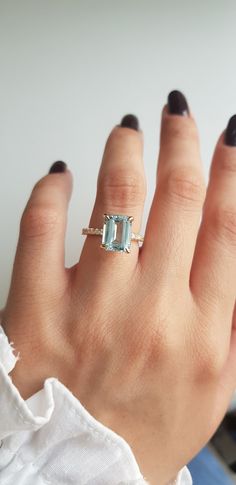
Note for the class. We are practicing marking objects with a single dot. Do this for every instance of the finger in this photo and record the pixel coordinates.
(213, 273)
(175, 213)
(121, 189)
(39, 260)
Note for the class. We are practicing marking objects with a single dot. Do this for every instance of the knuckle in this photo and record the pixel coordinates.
(208, 356)
(185, 186)
(150, 342)
(97, 342)
(223, 222)
(39, 221)
(157, 350)
(210, 363)
(122, 188)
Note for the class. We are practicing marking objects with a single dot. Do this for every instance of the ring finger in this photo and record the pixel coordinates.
(121, 189)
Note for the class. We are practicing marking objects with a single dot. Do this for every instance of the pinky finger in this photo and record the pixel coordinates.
(39, 262)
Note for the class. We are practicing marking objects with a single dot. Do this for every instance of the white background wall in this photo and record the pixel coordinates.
(69, 70)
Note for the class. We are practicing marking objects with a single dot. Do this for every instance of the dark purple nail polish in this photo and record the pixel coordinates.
(58, 167)
(230, 133)
(130, 121)
(177, 103)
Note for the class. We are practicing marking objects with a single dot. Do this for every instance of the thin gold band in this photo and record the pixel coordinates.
(91, 231)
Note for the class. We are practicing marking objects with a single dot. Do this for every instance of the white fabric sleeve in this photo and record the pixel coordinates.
(51, 439)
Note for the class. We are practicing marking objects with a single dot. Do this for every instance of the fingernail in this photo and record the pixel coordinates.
(177, 103)
(130, 121)
(230, 133)
(58, 167)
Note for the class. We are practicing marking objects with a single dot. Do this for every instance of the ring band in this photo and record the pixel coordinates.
(116, 233)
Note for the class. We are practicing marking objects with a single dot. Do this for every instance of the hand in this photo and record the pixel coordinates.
(147, 340)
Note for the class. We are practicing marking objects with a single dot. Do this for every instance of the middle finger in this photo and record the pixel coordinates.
(174, 217)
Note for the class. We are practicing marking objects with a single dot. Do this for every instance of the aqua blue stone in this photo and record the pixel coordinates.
(117, 232)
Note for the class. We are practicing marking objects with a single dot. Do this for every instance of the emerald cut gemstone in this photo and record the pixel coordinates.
(117, 233)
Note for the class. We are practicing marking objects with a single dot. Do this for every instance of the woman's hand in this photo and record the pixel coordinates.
(147, 340)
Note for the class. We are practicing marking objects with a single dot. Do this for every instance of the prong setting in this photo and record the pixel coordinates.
(116, 233)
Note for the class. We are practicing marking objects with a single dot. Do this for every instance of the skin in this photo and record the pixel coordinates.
(147, 340)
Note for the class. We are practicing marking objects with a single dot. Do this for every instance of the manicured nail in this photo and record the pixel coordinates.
(177, 103)
(58, 167)
(130, 121)
(230, 133)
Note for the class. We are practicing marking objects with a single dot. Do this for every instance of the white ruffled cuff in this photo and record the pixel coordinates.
(31, 429)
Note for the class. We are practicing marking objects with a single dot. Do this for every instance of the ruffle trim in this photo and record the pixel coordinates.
(7, 356)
